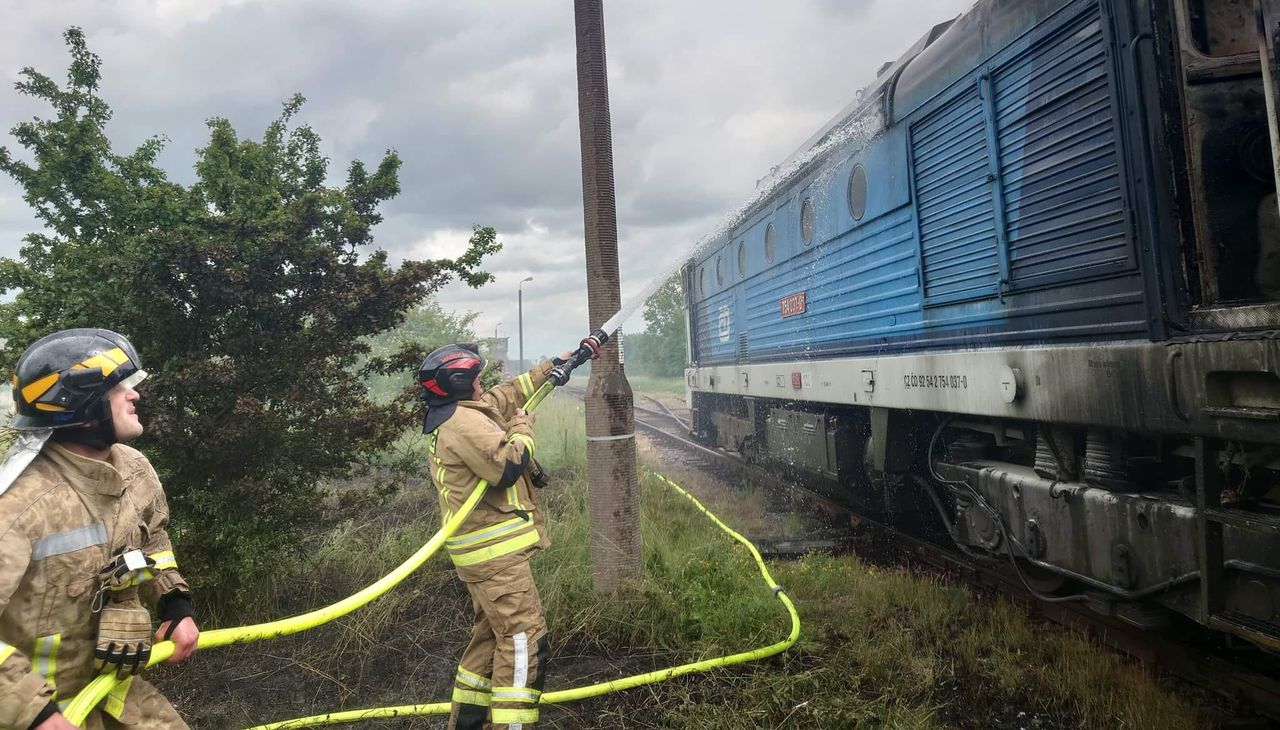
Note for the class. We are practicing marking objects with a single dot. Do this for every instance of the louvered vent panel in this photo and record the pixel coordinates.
(1059, 161)
(956, 213)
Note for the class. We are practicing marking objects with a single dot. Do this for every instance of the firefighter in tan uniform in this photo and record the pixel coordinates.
(84, 558)
(474, 435)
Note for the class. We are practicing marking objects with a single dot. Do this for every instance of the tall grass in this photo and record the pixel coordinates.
(891, 648)
(878, 648)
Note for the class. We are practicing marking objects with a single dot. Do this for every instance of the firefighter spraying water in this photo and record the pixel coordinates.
(475, 435)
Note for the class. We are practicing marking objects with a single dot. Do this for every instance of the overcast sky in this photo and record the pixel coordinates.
(480, 101)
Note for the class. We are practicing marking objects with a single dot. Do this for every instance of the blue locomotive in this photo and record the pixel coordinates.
(1026, 290)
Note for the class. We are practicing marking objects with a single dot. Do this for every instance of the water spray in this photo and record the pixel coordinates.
(851, 135)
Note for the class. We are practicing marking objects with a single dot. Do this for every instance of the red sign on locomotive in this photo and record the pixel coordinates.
(793, 304)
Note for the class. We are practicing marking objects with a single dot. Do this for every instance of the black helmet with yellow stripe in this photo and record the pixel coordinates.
(63, 379)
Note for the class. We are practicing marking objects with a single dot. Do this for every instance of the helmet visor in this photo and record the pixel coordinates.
(134, 379)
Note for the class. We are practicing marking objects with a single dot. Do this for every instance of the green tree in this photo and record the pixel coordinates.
(660, 349)
(249, 294)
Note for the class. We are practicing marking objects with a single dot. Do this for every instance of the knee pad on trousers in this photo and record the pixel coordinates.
(544, 652)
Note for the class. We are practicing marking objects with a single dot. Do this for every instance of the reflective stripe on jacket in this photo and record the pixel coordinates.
(60, 523)
(480, 441)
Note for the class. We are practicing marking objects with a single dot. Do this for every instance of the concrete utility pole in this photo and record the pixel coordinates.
(613, 490)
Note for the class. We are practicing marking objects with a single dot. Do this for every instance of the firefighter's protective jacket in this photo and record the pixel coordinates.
(485, 439)
(60, 523)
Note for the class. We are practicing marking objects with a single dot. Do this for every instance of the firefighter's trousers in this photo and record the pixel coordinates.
(500, 676)
(144, 709)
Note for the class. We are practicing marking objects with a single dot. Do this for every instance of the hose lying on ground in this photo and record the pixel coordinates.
(77, 711)
(88, 698)
(101, 686)
(593, 690)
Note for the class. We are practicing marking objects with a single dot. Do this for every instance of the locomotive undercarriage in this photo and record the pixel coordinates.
(1110, 516)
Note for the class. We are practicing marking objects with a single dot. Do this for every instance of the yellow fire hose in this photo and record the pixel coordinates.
(88, 698)
(593, 690)
(93, 693)
(102, 685)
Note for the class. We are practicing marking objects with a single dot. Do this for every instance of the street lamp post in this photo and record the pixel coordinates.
(520, 310)
(493, 348)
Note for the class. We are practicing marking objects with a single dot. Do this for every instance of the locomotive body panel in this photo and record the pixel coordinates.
(997, 213)
(1026, 265)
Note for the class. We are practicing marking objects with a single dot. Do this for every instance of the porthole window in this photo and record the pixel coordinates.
(742, 258)
(858, 192)
(770, 243)
(806, 221)
(720, 270)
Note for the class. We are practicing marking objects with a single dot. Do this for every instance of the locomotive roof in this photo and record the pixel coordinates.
(949, 51)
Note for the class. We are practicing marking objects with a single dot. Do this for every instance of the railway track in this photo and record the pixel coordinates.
(830, 525)
(1249, 692)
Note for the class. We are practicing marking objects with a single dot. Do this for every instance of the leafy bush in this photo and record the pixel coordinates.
(250, 295)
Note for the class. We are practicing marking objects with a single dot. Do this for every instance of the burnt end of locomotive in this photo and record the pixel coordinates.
(1025, 291)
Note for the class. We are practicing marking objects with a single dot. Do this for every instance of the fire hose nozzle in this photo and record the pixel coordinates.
(588, 349)
(593, 342)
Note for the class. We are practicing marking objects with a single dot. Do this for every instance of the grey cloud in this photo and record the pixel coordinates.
(479, 99)
(842, 8)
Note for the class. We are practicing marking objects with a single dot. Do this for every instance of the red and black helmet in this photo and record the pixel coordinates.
(447, 376)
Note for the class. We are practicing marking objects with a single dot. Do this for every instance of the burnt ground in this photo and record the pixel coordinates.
(407, 655)
(406, 660)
